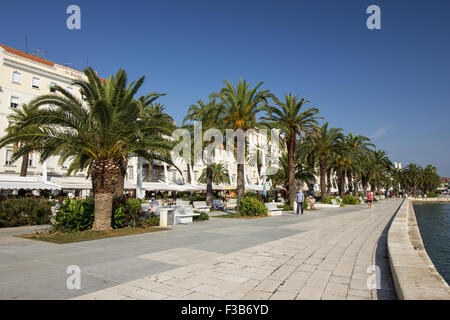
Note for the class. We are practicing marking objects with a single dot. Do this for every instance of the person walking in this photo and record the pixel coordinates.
(369, 198)
(300, 199)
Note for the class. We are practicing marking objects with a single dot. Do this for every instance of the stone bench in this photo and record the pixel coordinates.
(273, 209)
(201, 206)
(181, 202)
(184, 214)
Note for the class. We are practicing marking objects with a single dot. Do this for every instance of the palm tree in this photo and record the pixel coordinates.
(207, 114)
(430, 179)
(289, 117)
(302, 172)
(356, 145)
(413, 173)
(219, 174)
(381, 166)
(16, 122)
(98, 134)
(238, 108)
(324, 143)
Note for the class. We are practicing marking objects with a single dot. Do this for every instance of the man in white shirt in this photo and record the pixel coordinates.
(300, 199)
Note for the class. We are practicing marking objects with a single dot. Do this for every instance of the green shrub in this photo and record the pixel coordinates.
(305, 204)
(125, 212)
(198, 197)
(432, 195)
(250, 206)
(285, 207)
(78, 215)
(349, 199)
(24, 212)
(153, 220)
(74, 215)
(329, 198)
(201, 217)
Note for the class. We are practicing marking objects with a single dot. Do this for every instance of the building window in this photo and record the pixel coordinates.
(155, 174)
(8, 161)
(16, 77)
(130, 173)
(15, 101)
(35, 82)
(70, 90)
(30, 160)
(52, 87)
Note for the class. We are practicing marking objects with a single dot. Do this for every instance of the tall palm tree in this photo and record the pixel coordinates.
(98, 134)
(324, 143)
(430, 179)
(414, 175)
(293, 121)
(356, 145)
(219, 174)
(238, 108)
(207, 114)
(381, 166)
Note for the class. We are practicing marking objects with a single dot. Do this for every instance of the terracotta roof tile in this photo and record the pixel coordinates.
(26, 55)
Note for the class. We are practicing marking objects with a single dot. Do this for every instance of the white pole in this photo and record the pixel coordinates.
(166, 177)
(264, 171)
(44, 171)
(139, 192)
(192, 175)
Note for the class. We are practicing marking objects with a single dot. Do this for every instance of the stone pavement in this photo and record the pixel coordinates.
(324, 254)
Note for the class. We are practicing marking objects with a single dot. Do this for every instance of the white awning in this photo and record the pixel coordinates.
(161, 186)
(30, 183)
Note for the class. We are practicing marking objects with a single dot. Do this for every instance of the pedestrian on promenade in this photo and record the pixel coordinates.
(369, 198)
(300, 199)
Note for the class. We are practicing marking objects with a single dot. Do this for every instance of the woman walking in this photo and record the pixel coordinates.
(369, 198)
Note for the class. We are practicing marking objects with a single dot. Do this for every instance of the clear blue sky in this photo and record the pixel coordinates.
(392, 84)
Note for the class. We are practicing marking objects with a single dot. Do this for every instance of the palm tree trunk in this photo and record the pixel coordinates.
(104, 174)
(355, 185)
(103, 209)
(240, 184)
(24, 166)
(291, 170)
(189, 178)
(120, 180)
(349, 181)
(323, 187)
(329, 181)
(340, 176)
(209, 182)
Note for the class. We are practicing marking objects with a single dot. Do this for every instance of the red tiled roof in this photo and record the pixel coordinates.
(26, 55)
(34, 58)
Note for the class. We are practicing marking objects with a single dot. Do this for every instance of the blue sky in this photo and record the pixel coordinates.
(390, 84)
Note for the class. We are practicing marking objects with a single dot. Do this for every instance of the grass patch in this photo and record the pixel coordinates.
(238, 216)
(61, 238)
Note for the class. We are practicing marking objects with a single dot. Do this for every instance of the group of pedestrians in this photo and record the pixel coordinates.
(301, 198)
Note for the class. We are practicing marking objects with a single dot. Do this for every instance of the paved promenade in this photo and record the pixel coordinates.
(324, 254)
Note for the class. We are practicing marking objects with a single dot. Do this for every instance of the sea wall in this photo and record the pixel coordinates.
(413, 272)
